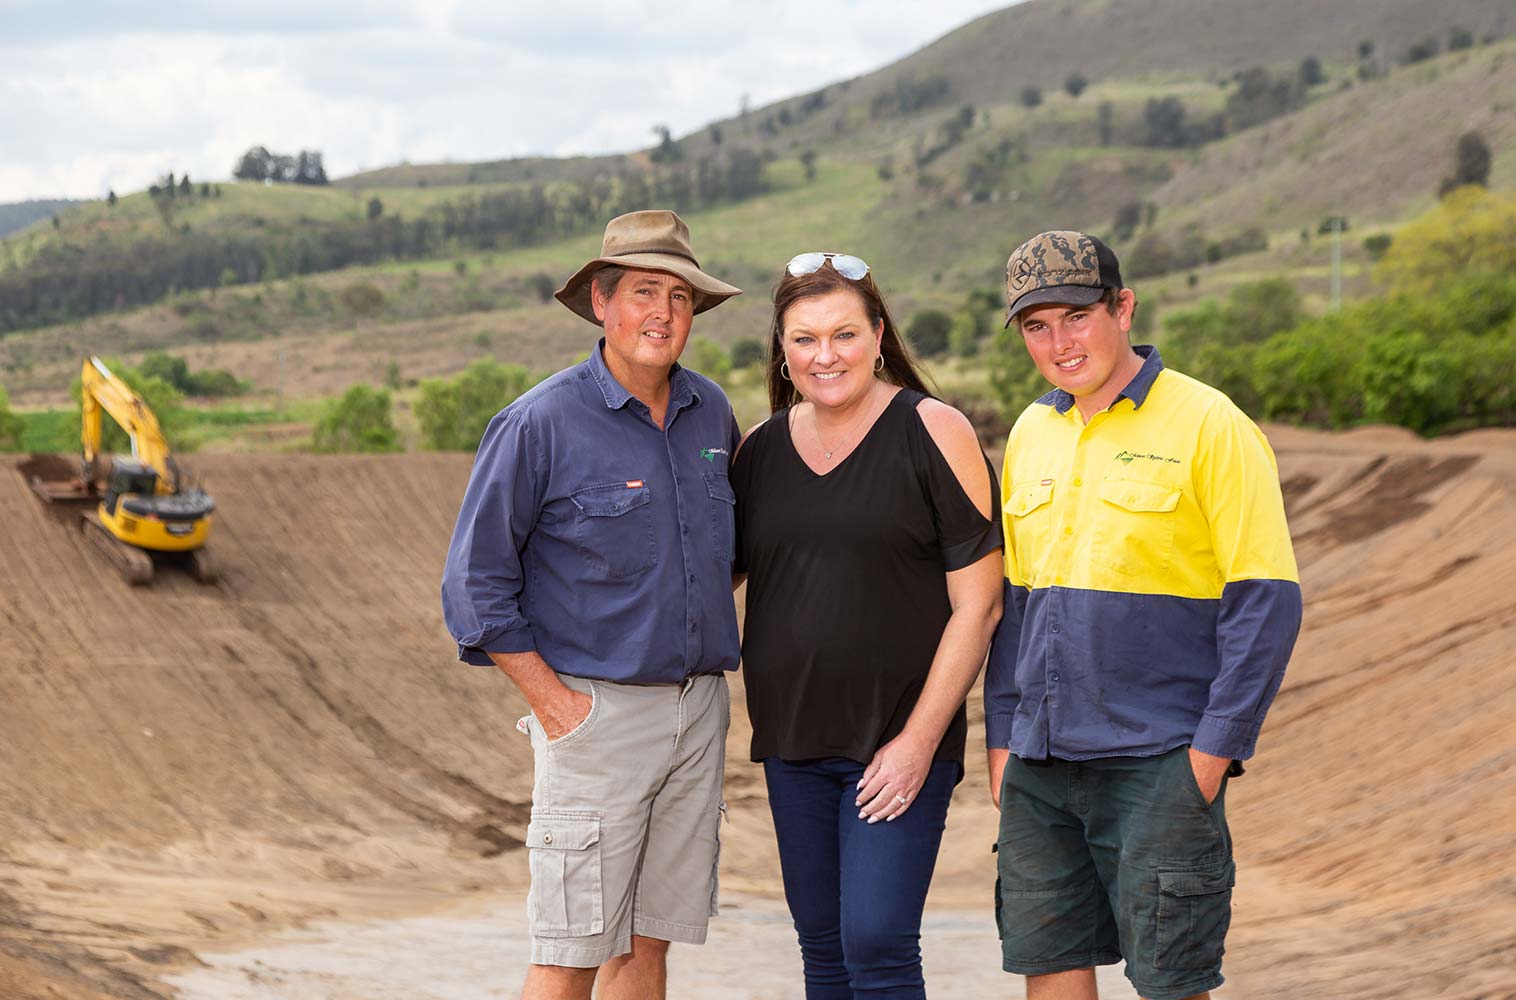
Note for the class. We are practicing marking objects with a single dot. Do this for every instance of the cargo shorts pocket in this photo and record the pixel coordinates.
(565, 899)
(1194, 912)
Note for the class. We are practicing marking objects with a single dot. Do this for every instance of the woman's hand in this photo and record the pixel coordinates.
(892, 779)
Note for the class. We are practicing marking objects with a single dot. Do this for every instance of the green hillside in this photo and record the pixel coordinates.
(931, 168)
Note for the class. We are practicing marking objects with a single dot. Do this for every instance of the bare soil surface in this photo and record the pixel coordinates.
(190, 770)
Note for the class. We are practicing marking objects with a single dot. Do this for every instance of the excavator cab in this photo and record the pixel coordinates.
(128, 477)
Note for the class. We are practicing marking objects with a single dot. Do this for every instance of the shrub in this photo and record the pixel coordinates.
(748, 352)
(709, 358)
(10, 424)
(359, 420)
(1469, 231)
(928, 332)
(362, 298)
(453, 413)
(1406, 381)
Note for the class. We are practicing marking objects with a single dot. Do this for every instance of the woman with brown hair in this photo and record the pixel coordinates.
(868, 526)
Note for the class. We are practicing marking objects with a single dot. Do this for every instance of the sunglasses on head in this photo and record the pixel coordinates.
(845, 264)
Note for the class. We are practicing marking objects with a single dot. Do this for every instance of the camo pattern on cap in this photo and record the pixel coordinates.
(1049, 260)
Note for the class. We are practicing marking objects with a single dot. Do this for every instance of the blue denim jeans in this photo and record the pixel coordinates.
(856, 890)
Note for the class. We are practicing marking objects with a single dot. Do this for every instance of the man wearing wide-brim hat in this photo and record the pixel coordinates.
(592, 563)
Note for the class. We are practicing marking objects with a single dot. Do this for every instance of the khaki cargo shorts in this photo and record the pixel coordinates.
(626, 811)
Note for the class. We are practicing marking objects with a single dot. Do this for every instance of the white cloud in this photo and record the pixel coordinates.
(96, 96)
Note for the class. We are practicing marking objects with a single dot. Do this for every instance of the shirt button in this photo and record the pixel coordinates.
(1068, 529)
(547, 838)
(1058, 580)
(1053, 677)
(692, 578)
(1055, 628)
(1078, 481)
(684, 529)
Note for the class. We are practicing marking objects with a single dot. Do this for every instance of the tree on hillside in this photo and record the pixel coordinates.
(110, 198)
(1460, 38)
(1075, 83)
(1310, 72)
(747, 352)
(808, 163)
(1471, 163)
(1163, 118)
(1423, 50)
(928, 332)
(1103, 115)
(667, 150)
(1261, 97)
(1031, 96)
(453, 413)
(185, 188)
(357, 421)
(375, 208)
(258, 164)
(1469, 232)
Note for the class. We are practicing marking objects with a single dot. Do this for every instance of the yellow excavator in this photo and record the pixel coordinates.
(146, 512)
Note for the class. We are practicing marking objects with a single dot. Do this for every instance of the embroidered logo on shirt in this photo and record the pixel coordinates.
(1127, 457)
(709, 454)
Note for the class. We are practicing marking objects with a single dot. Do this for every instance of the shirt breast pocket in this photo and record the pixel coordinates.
(1029, 525)
(723, 508)
(614, 528)
(1134, 531)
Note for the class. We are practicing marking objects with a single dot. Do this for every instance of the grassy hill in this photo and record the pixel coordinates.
(933, 183)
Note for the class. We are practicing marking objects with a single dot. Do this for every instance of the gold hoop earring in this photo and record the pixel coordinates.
(784, 371)
(879, 362)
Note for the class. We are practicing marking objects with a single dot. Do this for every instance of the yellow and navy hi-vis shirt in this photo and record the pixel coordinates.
(1152, 598)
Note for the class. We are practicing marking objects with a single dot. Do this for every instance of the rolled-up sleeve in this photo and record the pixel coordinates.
(482, 579)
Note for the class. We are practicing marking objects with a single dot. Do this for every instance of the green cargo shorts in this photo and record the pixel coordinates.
(1111, 859)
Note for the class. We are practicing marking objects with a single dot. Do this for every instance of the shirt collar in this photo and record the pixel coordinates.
(682, 391)
(1136, 390)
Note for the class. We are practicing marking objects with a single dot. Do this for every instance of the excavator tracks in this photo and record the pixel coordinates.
(134, 565)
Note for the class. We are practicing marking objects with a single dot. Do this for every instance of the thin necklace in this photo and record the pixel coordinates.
(816, 432)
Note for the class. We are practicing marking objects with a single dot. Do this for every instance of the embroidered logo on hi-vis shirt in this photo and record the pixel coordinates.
(709, 454)
(634, 484)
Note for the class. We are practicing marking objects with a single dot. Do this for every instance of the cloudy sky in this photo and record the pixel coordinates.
(97, 95)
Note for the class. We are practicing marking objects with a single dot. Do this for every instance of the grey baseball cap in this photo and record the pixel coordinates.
(1060, 266)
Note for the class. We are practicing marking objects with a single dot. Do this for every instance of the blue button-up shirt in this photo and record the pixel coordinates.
(595, 537)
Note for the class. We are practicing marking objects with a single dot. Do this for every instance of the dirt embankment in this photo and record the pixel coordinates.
(182, 765)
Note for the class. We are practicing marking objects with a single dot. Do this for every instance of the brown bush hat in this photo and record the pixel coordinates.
(655, 240)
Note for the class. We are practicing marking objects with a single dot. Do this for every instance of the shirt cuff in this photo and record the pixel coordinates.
(476, 647)
(1225, 738)
(997, 731)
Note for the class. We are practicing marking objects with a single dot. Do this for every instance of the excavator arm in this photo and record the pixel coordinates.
(104, 392)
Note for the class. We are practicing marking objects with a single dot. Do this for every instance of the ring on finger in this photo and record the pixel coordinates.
(902, 800)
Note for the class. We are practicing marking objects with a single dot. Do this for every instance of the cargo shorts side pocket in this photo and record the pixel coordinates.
(1194, 912)
(565, 899)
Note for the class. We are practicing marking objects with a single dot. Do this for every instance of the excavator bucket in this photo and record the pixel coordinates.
(57, 480)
